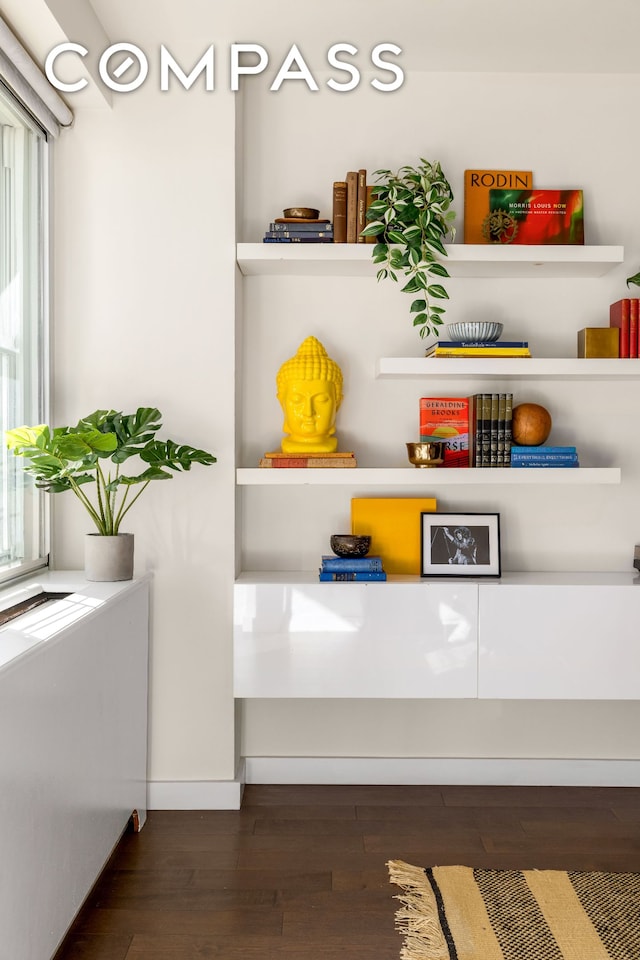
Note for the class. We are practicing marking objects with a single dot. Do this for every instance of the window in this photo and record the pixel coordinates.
(23, 314)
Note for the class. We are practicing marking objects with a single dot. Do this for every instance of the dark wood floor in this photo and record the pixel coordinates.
(300, 872)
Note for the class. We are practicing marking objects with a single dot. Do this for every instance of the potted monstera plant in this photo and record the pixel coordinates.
(410, 219)
(88, 459)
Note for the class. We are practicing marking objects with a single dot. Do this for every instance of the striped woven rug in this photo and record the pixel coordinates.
(460, 913)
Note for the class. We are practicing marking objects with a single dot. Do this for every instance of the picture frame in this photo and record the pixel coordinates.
(460, 545)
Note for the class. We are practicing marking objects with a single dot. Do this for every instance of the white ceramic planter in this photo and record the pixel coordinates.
(108, 558)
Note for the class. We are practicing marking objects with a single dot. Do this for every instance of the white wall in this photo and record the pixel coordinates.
(562, 127)
(144, 275)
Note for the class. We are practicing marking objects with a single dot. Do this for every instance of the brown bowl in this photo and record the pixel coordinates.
(302, 213)
(427, 453)
(350, 544)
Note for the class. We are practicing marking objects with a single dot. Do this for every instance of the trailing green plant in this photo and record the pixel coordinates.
(634, 279)
(411, 217)
(67, 458)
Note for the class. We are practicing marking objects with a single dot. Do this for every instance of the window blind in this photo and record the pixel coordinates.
(22, 75)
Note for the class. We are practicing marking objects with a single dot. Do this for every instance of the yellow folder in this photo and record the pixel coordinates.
(393, 523)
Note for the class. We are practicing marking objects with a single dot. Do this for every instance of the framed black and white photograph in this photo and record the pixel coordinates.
(460, 544)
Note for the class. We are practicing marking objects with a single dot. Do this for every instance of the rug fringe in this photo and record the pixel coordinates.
(417, 919)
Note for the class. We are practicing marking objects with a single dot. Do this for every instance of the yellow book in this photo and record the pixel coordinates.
(482, 352)
(393, 523)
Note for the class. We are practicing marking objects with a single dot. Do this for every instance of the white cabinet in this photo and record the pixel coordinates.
(564, 636)
(541, 636)
(296, 637)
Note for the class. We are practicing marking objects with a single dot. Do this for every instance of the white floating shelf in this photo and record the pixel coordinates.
(429, 478)
(463, 260)
(501, 368)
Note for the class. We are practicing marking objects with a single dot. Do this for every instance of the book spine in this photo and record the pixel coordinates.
(297, 240)
(541, 464)
(495, 398)
(340, 211)
(362, 205)
(370, 199)
(486, 430)
(518, 450)
(619, 316)
(304, 234)
(352, 576)
(634, 326)
(352, 206)
(312, 462)
(487, 344)
(336, 454)
(544, 457)
(508, 430)
(300, 225)
(473, 429)
(351, 564)
(482, 351)
(502, 409)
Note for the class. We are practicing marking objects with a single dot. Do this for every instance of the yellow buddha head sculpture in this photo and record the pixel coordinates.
(309, 388)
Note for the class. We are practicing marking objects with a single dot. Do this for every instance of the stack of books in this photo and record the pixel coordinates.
(494, 348)
(544, 457)
(491, 433)
(351, 569)
(298, 230)
(281, 461)
(625, 315)
(351, 199)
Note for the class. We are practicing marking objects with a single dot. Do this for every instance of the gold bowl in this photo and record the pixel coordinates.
(302, 213)
(427, 453)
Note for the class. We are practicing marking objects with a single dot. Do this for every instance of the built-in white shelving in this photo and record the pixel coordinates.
(506, 368)
(463, 260)
(429, 478)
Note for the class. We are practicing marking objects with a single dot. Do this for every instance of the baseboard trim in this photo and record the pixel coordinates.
(197, 794)
(486, 772)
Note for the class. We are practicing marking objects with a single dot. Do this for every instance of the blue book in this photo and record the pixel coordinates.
(314, 226)
(292, 234)
(536, 451)
(352, 575)
(300, 239)
(350, 564)
(482, 343)
(536, 464)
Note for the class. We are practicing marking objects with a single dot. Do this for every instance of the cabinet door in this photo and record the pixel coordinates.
(354, 640)
(552, 642)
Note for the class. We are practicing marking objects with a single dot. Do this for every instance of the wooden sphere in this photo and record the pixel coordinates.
(531, 424)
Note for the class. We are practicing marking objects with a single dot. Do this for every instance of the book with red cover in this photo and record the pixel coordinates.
(535, 217)
(634, 326)
(620, 316)
(447, 418)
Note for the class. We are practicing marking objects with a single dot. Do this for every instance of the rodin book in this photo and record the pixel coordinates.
(620, 317)
(477, 184)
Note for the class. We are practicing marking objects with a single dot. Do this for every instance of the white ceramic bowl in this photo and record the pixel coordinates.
(474, 331)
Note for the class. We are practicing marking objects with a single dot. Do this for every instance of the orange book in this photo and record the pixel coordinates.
(447, 418)
(477, 184)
